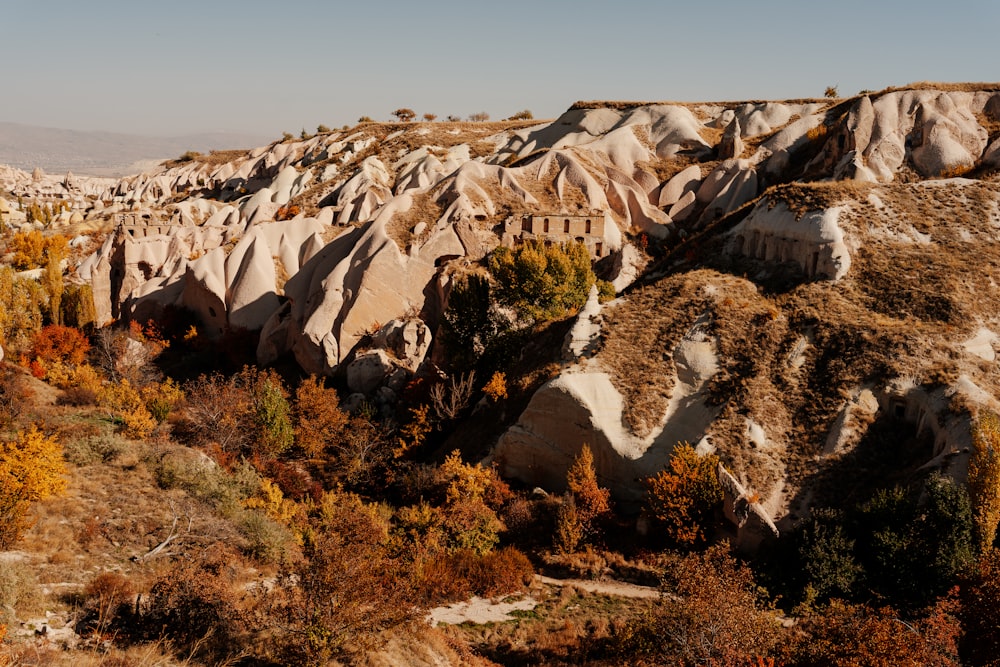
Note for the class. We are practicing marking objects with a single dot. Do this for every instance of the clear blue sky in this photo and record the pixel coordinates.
(182, 66)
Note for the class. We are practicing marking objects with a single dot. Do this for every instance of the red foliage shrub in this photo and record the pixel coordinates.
(294, 482)
(56, 343)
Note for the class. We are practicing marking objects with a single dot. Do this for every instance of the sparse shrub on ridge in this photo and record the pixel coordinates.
(404, 115)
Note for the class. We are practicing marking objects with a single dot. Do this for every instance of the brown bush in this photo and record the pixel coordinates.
(449, 577)
(198, 606)
(107, 599)
(345, 592)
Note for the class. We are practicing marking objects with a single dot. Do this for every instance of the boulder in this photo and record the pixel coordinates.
(408, 340)
(368, 371)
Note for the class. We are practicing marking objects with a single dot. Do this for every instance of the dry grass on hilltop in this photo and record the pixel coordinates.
(925, 275)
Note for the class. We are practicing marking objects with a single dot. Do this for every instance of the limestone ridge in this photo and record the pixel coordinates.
(818, 285)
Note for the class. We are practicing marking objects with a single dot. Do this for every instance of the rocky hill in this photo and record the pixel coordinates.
(792, 276)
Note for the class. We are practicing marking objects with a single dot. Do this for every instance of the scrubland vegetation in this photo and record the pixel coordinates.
(174, 504)
(240, 516)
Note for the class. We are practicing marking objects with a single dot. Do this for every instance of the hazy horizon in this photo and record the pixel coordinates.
(195, 67)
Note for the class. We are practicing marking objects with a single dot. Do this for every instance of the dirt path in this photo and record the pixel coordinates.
(479, 610)
(619, 588)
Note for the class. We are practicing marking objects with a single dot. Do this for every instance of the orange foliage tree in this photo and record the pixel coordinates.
(56, 343)
(318, 419)
(845, 635)
(346, 591)
(586, 503)
(712, 613)
(31, 469)
(683, 497)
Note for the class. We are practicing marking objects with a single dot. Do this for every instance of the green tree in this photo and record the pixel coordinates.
(471, 322)
(542, 282)
(915, 544)
(78, 306)
(826, 556)
(270, 405)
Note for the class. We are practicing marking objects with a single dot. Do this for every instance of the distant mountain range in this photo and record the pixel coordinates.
(105, 153)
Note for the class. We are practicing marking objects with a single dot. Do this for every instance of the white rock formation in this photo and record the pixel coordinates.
(774, 234)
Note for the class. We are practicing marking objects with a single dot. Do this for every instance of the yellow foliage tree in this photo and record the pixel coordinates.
(592, 500)
(31, 469)
(496, 388)
(984, 477)
(465, 481)
(272, 502)
(414, 433)
(126, 405)
(683, 497)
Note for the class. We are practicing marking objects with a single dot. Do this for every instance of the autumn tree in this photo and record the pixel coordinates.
(318, 418)
(21, 303)
(984, 477)
(31, 249)
(58, 344)
(199, 607)
(31, 469)
(430, 117)
(346, 591)
(980, 613)
(587, 503)
(479, 117)
(711, 613)
(496, 388)
(126, 406)
(404, 115)
(570, 529)
(28, 248)
(848, 635)
(457, 506)
(683, 497)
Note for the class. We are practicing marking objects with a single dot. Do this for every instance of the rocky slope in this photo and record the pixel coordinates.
(827, 269)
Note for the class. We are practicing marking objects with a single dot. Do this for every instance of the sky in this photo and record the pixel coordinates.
(184, 66)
